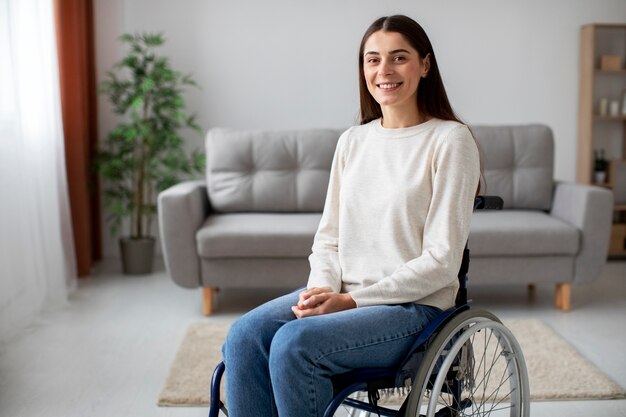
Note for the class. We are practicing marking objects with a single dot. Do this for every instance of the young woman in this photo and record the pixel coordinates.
(389, 245)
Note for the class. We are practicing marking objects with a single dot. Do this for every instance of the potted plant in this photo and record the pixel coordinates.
(144, 153)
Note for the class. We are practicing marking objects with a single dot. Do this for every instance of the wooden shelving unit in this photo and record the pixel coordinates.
(607, 132)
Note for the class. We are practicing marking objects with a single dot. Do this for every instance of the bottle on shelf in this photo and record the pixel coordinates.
(600, 167)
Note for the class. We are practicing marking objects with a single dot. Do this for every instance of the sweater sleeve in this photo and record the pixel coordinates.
(455, 174)
(324, 259)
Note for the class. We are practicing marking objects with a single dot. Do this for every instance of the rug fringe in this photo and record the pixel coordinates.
(401, 391)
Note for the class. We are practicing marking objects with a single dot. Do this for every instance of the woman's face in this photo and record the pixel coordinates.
(393, 69)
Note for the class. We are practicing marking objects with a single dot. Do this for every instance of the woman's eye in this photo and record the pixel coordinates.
(372, 60)
(399, 58)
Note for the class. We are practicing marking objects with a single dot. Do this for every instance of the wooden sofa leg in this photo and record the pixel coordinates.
(563, 296)
(532, 292)
(207, 300)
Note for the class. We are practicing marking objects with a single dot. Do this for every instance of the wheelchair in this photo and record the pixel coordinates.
(464, 363)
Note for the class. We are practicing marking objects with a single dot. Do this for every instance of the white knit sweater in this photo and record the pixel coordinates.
(397, 213)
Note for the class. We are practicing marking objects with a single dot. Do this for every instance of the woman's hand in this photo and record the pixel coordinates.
(317, 301)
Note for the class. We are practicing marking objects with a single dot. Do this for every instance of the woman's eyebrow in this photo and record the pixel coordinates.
(395, 51)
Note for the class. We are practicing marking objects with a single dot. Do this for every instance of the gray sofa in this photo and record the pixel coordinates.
(251, 223)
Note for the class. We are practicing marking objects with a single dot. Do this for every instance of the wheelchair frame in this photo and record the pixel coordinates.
(446, 343)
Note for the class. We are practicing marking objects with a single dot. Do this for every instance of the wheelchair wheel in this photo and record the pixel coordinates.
(474, 366)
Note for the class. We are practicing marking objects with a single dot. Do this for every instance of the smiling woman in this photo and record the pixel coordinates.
(389, 244)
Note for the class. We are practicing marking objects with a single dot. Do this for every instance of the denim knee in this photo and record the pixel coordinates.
(292, 343)
(242, 335)
(300, 384)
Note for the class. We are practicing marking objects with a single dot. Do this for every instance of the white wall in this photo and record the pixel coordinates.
(292, 64)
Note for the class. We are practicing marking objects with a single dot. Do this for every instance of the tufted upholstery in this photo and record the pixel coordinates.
(287, 171)
(278, 171)
(517, 164)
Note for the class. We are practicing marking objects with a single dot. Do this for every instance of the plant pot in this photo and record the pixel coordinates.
(137, 255)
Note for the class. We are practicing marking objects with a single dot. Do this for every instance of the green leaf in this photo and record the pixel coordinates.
(153, 40)
(126, 37)
(198, 161)
(147, 85)
(189, 81)
(130, 61)
(137, 103)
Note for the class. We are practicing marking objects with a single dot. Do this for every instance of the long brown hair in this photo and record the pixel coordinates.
(432, 100)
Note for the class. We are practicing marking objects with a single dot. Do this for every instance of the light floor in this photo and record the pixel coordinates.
(108, 352)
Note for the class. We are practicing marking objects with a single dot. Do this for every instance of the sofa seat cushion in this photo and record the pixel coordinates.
(257, 235)
(521, 233)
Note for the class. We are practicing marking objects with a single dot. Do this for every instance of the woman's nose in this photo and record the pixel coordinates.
(385, 67)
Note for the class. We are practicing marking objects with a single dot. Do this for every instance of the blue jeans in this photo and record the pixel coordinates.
(277, 365)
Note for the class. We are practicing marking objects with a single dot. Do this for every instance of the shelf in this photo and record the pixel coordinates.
(598, 117)
(603, 185)
(615, 72)
(606, 26)
(619, 207)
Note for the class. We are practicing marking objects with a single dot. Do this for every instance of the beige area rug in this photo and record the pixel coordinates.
(556, 370)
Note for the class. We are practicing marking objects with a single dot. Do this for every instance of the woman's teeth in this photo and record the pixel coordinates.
(388, 86)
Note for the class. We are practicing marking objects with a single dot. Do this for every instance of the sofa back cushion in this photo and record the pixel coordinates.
(269, 171)
(288, 171)
(518, 164)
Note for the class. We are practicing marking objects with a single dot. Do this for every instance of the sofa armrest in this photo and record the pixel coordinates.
(589, 208)
(182, 210)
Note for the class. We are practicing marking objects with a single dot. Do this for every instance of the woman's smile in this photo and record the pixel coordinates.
(389, 87)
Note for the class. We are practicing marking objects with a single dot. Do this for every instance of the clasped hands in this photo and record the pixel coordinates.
(316, 301)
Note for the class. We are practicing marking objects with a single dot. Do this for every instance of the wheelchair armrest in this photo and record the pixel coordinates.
(488, 202)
